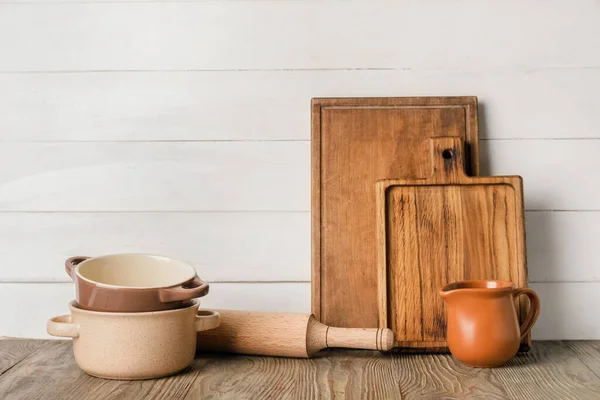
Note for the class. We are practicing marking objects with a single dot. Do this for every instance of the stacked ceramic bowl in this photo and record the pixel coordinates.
(134, 315)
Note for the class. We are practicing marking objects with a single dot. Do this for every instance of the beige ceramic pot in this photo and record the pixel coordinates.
(133, 345)
(133, 282)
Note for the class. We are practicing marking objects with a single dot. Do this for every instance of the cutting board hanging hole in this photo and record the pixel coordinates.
(447, 159)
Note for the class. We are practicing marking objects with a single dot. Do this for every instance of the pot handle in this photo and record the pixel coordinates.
(534, 309)
(62, 326)
(189, 290)
(207, 319)
(72, 262)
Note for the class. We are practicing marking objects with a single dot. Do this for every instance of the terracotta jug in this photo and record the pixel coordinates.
(482, 327)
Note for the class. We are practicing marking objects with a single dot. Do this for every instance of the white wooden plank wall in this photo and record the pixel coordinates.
(182, 128)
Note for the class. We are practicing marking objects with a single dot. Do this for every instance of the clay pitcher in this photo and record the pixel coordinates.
(482, 328)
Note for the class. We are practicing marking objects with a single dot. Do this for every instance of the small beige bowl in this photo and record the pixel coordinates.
(133, 345)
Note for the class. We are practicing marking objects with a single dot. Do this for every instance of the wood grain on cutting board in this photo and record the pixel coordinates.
(446, 228)
(356, 142)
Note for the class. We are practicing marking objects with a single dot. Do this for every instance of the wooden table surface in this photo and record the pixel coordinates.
(45, 369)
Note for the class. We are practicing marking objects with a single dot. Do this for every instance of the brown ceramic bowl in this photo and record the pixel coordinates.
(133, 345)
(133, 283)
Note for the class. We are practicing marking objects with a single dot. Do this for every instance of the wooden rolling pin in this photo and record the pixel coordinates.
(286, 335)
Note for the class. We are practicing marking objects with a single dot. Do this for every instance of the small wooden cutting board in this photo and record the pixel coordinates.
(445, 228)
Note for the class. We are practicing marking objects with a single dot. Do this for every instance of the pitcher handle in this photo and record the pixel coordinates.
(534, 309)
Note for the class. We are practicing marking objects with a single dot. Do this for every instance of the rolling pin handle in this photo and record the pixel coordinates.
(360, 338)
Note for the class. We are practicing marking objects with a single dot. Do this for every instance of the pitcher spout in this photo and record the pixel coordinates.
(474, 288)
(448, 292)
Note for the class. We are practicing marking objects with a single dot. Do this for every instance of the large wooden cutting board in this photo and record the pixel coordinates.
(355, 142)
(446, 228)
